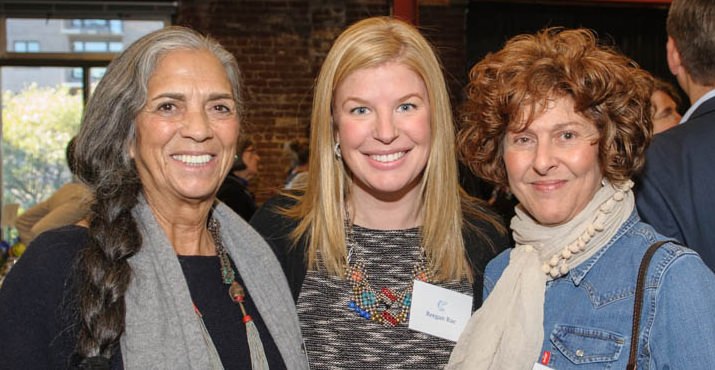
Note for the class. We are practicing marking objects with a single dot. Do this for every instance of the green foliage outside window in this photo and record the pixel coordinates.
(38, 122)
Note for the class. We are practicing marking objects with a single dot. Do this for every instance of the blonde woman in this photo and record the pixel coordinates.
(382, 206)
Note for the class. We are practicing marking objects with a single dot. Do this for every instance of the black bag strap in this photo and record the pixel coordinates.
(638, 304)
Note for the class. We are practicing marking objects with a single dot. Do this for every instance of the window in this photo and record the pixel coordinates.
(95, 74)
(45, 102)
(39, 117)
(25, 35)
(97, 46)
(112, 26)
(21, 46)
(42, 90)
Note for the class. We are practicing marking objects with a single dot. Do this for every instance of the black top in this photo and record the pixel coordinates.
(276, 229)
(234, 192)
(38, 307)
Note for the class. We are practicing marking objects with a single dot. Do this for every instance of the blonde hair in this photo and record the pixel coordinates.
(321, 209)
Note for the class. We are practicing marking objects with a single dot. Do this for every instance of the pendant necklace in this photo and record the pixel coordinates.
(388, 306)
(238, 295)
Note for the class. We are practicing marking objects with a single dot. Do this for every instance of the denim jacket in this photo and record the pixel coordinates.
(588, 313)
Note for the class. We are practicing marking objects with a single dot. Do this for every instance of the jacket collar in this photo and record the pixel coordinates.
(578, 273)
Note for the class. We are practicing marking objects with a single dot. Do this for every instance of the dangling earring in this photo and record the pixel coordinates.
(336, 150)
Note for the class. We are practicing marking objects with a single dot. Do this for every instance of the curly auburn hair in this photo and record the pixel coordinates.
(508, 89)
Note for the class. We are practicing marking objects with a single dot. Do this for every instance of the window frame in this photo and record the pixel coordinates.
(27, 44)
(164, 11)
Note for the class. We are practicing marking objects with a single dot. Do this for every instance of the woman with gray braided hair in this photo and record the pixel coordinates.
(165, 276)
(563, 122)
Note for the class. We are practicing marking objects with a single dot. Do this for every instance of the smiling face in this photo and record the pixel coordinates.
(382, 116)
(553, 166)
(186, 133)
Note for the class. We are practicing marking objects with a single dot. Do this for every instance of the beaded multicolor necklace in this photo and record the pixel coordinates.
(389, 307)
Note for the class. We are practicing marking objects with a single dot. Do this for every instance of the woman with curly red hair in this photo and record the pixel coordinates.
(563, 122)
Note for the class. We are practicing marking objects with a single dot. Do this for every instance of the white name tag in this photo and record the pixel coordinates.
(538, 366)
(438, 311)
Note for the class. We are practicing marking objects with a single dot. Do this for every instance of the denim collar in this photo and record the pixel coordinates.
(579, 272)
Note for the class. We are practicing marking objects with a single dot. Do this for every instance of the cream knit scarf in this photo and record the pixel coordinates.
(507, 331)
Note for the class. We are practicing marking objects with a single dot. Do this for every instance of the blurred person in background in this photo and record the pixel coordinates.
(298, 175)
(66, 206)
(234, 190)
(675, 191)
(665, 100)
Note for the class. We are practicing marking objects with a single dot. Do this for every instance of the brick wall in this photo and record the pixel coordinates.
(280, 44)
(445, 27)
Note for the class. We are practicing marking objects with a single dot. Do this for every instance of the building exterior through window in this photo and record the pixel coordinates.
(48, 68)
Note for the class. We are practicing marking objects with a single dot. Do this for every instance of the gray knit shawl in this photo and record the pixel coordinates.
(162, 330)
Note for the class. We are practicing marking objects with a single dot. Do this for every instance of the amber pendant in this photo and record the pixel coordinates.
(236, 292)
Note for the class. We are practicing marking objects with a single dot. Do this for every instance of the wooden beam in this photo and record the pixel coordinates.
(634, 1)
(407, 10)
(658, 3)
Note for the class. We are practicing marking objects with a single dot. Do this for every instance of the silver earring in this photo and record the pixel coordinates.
(336, 150)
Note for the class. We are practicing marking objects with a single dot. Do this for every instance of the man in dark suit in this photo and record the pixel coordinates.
(676, 193)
